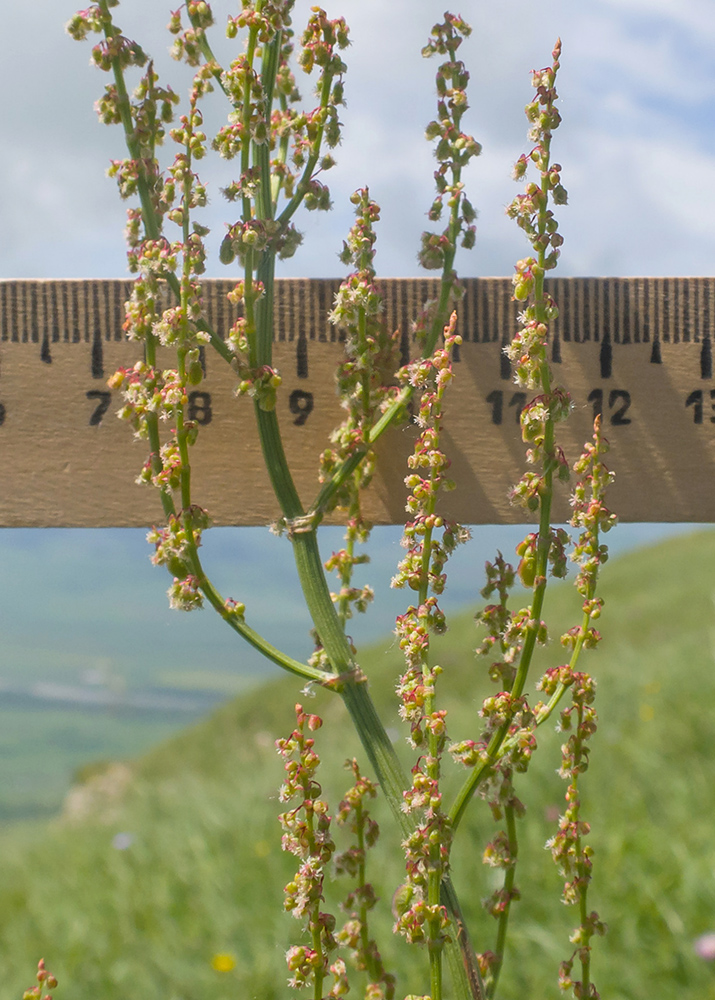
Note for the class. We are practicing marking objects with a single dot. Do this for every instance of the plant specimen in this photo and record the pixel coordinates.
(282, 151)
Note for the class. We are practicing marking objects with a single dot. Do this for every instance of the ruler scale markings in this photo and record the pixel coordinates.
(293, 309)
(616, 312)
(684, 304)
(97, 366)
(25, 337)
(606, 318)
(644, 313)
(646, 300)
(563, 321)
(388, 313)
(624, 330)
(471, 295)
(320, 316)
(63, 312)
(407, 305)
(76, 334)
(467, 307)
(293, 317)
(34, 327)
(596, 311)
(19, 308)
(602, 316)
(615, 319)
(554, 288)
(53, 312)
(687, 294)
(322, 304)
(579, 313)
(211, 307)
(706, 358)
(589, 332)
(658, 313)
(280, 334)
(115, 293)
(643, 316)
(706, 351)
(287, 330)
(556, 349)
(84, 330)
(666, 303)
(492, 332)
(581, 330)
(501, 314)
(395, 315)
(605, 314)
(628, 313)
(637, 310)
(677, 313)
(45, 351)
(480, 332)
(630, 297)
(14, 319)
(663, 317)
(4, 312)
(507, 332)
(397, 310)
(707, 307)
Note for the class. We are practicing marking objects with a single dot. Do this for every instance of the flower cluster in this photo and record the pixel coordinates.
(364, 378)
(423, 566)
(454, 148)
(591, 516)
(45, 981)
(306, 835)
(420, 916)
(363, 382)
(349, 597)
(571, 855)
(528, 349)
(508, 739)
(353, 814)
(188, 43)
(174, 547)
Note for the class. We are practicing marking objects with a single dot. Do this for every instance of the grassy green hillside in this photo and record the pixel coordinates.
(203, 871)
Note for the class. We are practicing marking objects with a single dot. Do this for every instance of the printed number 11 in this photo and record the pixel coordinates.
(496, 401)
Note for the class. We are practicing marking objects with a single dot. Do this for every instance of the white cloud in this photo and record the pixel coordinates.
(636, 88)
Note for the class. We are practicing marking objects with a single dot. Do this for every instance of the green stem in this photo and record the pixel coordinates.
(509, 880)
(253, 638)
(207, 53)
(302, 186)
(544, 537)
(375, 741)
(584, 877)
(346, 571)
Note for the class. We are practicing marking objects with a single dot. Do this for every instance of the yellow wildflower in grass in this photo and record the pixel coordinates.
(223, 962)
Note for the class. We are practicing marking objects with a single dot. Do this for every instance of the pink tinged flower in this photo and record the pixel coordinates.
(704, 946)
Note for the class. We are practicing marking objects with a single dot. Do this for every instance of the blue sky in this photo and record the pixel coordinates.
(637, 147)
(637, 86)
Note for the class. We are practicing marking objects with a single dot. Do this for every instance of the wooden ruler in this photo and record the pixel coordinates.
(637, 350)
